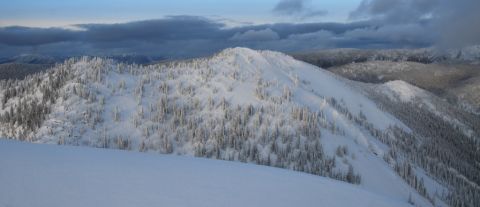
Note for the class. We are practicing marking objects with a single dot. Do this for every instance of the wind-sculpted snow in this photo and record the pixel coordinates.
(251, 106)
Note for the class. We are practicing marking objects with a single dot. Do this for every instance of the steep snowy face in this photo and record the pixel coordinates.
(121, 97)
(251, 106)
(305, 84)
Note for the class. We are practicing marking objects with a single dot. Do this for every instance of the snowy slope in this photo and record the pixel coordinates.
(57, 176)
(401, 91)
(251, 106)
(235, 75)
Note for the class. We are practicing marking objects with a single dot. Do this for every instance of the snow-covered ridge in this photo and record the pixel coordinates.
(401, 91)
(302, 78)
(251, 106)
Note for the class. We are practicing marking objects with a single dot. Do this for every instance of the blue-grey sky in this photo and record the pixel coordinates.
(46, 13)
(189, 28)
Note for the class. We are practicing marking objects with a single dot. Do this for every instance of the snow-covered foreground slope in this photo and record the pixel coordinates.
(58, 176)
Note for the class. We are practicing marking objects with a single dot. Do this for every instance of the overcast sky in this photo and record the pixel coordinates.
(46, 13)
(188, 28)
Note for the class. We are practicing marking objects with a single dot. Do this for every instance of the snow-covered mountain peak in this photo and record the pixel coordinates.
(243, 52)
(252, 106)
(239, 51)
(251, 61)
(277, 75)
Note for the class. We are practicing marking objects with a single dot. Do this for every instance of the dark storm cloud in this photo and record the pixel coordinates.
(24, 36)
(286, 29)
(403, 35)
(297, 8)
(395, 11)
(171, 28)
(457, 23)
(187, 36)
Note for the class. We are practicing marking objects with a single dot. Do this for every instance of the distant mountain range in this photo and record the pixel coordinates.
(337, 57)
(32, 59)
(453, 75)
(18, 67)
(49, 60)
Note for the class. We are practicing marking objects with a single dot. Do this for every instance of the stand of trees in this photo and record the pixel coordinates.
(438, 147)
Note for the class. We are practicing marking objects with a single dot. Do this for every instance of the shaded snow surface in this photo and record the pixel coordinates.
(51, 176)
